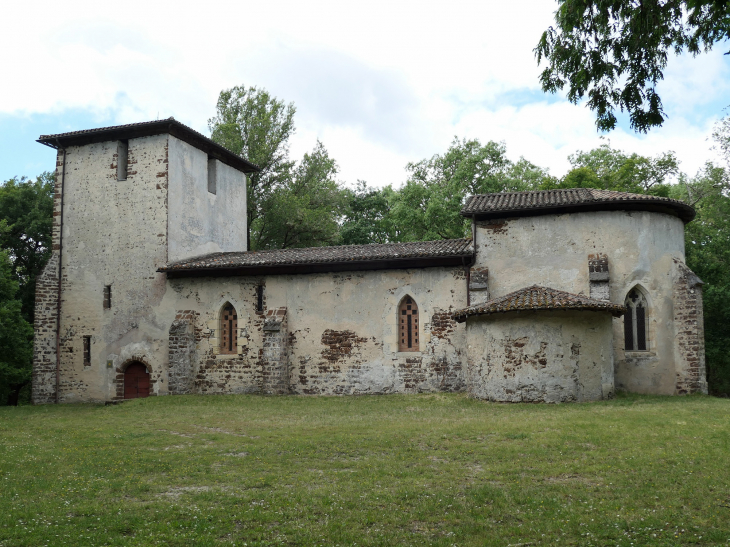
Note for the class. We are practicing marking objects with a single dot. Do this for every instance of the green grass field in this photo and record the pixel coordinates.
(374, 470)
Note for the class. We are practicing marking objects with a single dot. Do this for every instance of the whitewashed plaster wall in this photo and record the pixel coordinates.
(201, 222)
(540, 356)
(552, 250)
(341, 327)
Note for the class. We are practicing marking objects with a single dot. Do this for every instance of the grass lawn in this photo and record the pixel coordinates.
(373, 470)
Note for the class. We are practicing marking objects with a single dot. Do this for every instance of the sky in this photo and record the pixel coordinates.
(381, 84)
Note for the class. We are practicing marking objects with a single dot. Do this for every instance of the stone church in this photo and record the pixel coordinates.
(560, 295)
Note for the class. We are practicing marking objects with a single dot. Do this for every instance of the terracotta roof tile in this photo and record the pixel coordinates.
(538, 298)
(570, 199)
(326, 255)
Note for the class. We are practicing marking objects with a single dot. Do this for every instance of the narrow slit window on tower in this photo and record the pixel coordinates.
(408, 325)
(260, 298)
(212, 175)
(229, 330)
(87, 351)
(107, 297)
(635, 335)
(122, 157)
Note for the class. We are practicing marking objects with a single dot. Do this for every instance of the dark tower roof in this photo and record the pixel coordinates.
(147, 129)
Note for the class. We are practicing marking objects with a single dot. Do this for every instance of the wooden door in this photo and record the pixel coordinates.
(136, 381)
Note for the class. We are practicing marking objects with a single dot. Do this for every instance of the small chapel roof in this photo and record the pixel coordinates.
(147, 129)
(416, 254)
(538, 298)
(506, 204)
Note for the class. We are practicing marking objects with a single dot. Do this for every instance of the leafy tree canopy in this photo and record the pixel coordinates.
(615, 51)
(707, 244)
(367, 216)
(26, 206)
(429, 205)
(255, 125)
(304, 211)
(16, 335)
(607, 168)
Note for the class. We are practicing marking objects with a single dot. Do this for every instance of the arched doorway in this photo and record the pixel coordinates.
(136, 381)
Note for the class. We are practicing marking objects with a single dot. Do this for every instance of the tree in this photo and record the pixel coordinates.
(707, 244)
(615, 51)
(367, 216)
(607, 168)
(27, 208)
(429, 205)
(303, 211)
(16, 335)
(255, 125)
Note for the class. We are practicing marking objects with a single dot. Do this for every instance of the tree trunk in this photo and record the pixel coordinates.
(14, 394)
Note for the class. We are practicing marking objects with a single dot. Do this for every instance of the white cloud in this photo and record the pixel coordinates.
(380, 83)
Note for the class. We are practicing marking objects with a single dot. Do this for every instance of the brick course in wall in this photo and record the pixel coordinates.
(44, 342)
(690, 331)
(43, 389)
(275, 355)
(182, 355)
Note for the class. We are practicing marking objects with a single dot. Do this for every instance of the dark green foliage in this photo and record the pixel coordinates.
(367, 216)
(257, 126)
(607, 168)
(708, 255)
(615, 51)
(289, 204)
(27, 208)
(429, 205)
(304, 211)
(16, 335)
(26, 218)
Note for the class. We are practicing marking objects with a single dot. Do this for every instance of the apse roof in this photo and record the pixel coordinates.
(334, 258)
(538, 298)
(146, 129)
(570, 200)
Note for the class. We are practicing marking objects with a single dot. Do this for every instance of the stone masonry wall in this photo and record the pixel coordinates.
(46, 308)
(690, 331)
(478, 286)
(543, 356)
(241, 372)
(551, 250)
(275, 361)
(44, 341)
(337, 334)
(182, 355)
(114, 235)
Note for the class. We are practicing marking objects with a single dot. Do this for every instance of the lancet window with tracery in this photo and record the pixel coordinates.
(635, 321)
(228, 329)
(408, 325)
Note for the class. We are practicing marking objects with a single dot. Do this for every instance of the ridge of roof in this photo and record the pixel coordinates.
(564, 200)
(330, 255)
(537, 297)
(146, 129)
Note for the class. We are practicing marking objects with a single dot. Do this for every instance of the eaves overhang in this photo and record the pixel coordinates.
(321, 267)
(146, 129)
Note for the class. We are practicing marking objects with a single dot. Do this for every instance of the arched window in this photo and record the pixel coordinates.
(229, 329)
(408, 325)
(635, 319)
